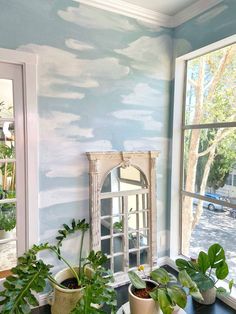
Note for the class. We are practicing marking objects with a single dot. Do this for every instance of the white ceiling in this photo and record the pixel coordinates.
(169, 7)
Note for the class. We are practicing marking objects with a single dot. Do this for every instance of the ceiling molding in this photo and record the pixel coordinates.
(131, 10)
(194, 10)
(151, 16)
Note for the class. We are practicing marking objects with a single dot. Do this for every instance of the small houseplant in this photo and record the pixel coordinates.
(206, 271)
(7, 222)
(31, 273)
(160, 291)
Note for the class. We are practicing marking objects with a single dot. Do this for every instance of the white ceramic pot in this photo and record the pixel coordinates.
(142, 306)
(64, 300)
(5, 234)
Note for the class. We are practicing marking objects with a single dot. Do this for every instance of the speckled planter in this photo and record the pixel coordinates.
(209, 296)
(142, 306)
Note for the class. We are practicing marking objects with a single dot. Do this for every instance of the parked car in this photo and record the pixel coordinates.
(232, 212)
(211, 205)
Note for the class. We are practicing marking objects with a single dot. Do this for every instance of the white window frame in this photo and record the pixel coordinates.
(28, 63)
(179, 102)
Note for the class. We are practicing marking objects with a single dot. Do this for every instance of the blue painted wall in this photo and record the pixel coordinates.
(104, 83)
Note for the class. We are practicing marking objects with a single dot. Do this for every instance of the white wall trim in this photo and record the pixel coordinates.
(29, 62)
(152, 16)
(194, 10)
(131, 10)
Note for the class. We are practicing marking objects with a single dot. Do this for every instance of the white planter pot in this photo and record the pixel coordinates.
(5, 234)
(64, 300)
(142, 306)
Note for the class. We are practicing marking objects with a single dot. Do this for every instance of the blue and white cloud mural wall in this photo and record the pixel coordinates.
(103, 84)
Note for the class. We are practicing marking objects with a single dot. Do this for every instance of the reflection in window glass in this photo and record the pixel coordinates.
(8, 249)
(6, 98)
(209, 141)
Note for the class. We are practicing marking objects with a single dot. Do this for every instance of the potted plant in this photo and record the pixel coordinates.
(76, 289)
(160, 291)
(7, 222)
(206, 271)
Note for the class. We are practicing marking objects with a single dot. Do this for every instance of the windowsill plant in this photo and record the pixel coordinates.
(30, 275)
(206, 271)
(163, 292)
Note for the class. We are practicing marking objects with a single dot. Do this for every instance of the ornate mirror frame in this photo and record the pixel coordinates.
(100, 165)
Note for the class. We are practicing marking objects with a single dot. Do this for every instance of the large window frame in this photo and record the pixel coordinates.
(28, 226)
(177, 151)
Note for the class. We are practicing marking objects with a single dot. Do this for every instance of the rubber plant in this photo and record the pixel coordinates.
(208, 269)
(31, 274)
(169, 290)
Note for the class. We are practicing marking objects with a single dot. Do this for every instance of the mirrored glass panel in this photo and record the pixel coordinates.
(124, 179)
(7, 180)
(118, 263)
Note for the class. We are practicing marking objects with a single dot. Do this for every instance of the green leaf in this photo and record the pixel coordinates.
(189, 266)
(178, 296)
(194, 292)
(203, 262)
(216, 255)
(231, 283)
(203, 282)
(221, 291)
(136, 281)
(222, 271)
(161, 276)
(165, 302)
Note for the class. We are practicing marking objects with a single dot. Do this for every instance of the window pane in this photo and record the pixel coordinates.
(118, 244)
(106, 246)
(144, 256)
(8, 253)
(144, 238)
(143, 220)
(133, 259)
(7, 137)
(105, 226)
(118, 225)
(133, 240)
(209, 157)
(118, 263)
(6, 98)
(143, 201)
(132, 222)
(7, 180)
(213, 226)
(112, 206)
(210, 94)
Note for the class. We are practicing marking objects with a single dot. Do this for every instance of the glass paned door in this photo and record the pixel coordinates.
(12, 166)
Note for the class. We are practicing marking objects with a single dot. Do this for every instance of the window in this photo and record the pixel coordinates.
(122, 194)
(205, 128)
(18, 161)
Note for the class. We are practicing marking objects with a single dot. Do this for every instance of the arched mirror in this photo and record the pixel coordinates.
(123, 211)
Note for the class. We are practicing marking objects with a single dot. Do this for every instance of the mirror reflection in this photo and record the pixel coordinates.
(124, 179)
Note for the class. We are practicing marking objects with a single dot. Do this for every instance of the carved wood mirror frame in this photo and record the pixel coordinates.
(100, 165)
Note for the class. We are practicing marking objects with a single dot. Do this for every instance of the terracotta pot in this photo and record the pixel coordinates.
(142, 306)
(209, 296)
